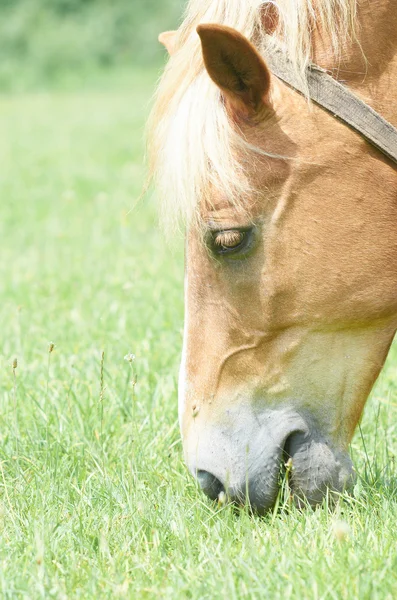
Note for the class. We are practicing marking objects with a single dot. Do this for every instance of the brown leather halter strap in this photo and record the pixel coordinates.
(340, 102)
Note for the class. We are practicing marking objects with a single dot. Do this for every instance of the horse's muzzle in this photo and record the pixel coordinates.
(246, 462)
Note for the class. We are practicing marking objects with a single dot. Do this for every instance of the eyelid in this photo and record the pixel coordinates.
(215, 226)
(230, 238)
(240, 250)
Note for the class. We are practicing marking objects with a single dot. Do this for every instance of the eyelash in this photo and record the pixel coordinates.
(239, 249)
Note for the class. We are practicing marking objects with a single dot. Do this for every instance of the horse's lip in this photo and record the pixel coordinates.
(317, 466)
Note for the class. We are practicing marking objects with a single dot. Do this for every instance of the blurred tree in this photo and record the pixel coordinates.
(43, 41)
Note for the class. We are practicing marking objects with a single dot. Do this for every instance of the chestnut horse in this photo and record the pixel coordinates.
(291, 238)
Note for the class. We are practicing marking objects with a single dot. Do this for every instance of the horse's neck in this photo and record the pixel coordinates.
(370, 66)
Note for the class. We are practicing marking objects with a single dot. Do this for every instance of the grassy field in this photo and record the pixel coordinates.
(95, 499)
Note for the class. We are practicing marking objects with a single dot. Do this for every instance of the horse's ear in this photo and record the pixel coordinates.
(269, 17)
(167, 38)
(236, 67)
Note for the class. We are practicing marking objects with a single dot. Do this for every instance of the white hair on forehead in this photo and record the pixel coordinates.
(192, 143)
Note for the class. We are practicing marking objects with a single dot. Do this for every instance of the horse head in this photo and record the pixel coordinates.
(290, 285)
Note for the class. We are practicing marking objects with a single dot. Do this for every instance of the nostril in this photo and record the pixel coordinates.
(210, 484)
(293, 442)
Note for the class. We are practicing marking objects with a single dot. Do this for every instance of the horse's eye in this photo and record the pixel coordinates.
(231, 241)
(228, 240)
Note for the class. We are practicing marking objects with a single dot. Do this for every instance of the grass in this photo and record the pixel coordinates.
(95, 501)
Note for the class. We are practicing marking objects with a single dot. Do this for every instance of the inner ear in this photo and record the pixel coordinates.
(236, 67)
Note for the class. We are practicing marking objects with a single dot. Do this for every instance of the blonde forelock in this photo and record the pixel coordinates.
(192, 144)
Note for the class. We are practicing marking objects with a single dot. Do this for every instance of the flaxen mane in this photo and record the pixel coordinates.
(191, 140)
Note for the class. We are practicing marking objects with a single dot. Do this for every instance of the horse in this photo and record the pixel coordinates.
(290, 238)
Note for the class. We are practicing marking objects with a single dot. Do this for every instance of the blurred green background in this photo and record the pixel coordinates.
(68, 43)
